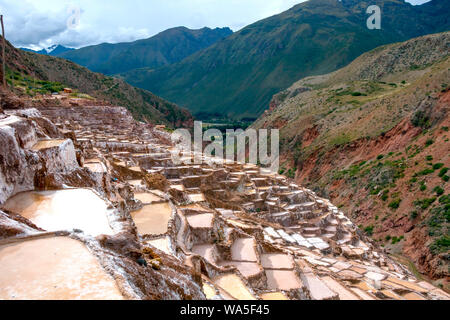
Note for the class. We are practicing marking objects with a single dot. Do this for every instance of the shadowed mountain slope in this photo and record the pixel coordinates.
(165, 48)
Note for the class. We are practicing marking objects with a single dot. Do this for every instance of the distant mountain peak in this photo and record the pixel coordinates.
(53, 50)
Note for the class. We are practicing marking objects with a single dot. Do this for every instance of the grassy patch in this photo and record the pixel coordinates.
(445, 199)
(291, 173)
(420, 119)
(429, 142)
(396, 240)
(395, 204)
(443, 172)
(32, 86)
(369, 230)
(423, 186)
(438, 190)
(413, 215)
(424, 172)
(440, 245)
(385, 195)
(425, 203)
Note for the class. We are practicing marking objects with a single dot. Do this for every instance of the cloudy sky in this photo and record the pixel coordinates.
(75, 23)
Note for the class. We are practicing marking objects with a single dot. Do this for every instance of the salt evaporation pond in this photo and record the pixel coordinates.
(45, 144)
(63, 210)
(153, 219)
(274, 296)
(162, 244)
(233, 285)
(201, 220)
(146, 197)
(243, 250)
(57, 268)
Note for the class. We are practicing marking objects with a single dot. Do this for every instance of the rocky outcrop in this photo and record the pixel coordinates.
(10, 101)
(25, 158)
(18, 166)
(156, 181)
(14, 225)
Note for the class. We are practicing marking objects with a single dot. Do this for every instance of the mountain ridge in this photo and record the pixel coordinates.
(53, 50)
(238, 75)
(169, 46)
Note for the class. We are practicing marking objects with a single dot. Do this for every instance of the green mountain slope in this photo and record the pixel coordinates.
(238, 76)
(165, 48)
(25, 69)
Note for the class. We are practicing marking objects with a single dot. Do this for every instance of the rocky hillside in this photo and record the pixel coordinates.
(32, 73)
(374, 138)
(238, 76)
(165, 48)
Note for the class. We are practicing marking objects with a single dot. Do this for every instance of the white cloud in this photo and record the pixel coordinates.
(26, 24)
(415, 2)
(41, 23)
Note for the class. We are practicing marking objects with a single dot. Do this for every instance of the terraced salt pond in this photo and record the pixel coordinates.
(96, 167)
(244, 250)
(247, 269)
(318, 290)
(234, 286)
(282, 280)
(147, 198)
(57, 268)
(201, 220)
(162, 244)
(196, 197)
(274, 296)
(153, 219)
(277, 261)
(208, 290)
(135, 183)
(45, 144)
(63, 210)
(178, 187)
(195, 207)
(207, 251)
